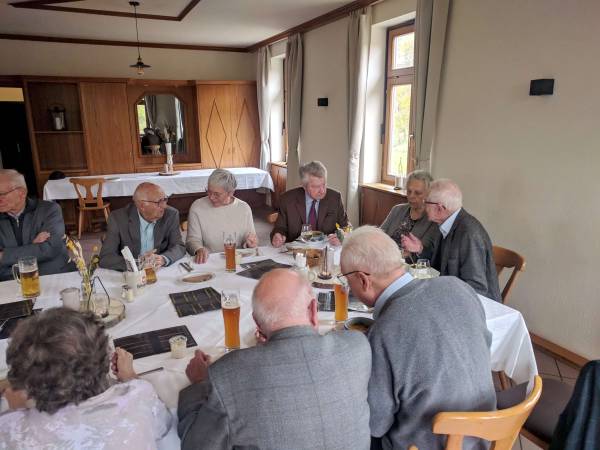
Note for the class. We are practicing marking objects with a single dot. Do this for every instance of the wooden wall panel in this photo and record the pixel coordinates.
(106, 118)
(376, 201)
(245, 132)
(214, 111)
(43, 95)
(60, 151)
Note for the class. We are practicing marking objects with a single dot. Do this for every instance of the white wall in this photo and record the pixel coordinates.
(528, 165)
(42, 58)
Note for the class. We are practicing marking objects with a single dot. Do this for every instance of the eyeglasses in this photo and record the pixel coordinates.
(215, 194)
(434, 203)
(162, 201)
(2, 194)
(343, 276)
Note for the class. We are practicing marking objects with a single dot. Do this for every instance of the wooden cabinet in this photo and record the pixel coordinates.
(228, 118)
(278, 172)
(376, 201)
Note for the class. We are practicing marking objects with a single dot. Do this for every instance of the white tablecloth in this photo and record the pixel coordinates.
(511, 349)
(186, 182)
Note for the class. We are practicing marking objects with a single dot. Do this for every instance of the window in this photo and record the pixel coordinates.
(141, 115)
(398, 158)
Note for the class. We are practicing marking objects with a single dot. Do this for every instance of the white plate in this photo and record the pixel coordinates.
(192, 277)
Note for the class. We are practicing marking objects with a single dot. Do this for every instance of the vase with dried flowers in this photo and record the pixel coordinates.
(85, 270)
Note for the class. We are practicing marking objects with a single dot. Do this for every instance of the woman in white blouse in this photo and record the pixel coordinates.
(60, 395)
(219, 215)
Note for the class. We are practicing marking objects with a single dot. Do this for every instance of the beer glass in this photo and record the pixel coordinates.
(341, 289)
(149, 265)
(229, 242)
(230, 305)
(28, 276)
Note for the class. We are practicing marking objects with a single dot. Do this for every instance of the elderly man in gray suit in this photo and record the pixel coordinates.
(430, 344)
(29, 227)
(148, 227)
(298, 390)
(465, 249)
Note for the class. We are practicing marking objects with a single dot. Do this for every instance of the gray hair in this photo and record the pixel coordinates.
(17, 179)
(223, 179)
(420, 175)
(314, 168)
(370, 250)
(447, 193)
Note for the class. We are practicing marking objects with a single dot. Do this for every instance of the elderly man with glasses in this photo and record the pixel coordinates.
(29, 227)
(148, 227)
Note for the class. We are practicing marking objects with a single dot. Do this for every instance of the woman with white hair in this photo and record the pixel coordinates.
(216, 215)
(411, 217)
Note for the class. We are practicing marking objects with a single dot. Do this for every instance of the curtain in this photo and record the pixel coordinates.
(151, 110)
(180, 139)
(263, 66)
(359, 39)
(293, 101)
(430, 26)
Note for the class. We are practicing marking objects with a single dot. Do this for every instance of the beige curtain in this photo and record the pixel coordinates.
(293, 102)
(430, 26)
(359, 38)
(263, 66)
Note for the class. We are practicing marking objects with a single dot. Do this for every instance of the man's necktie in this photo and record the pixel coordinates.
(312, 215)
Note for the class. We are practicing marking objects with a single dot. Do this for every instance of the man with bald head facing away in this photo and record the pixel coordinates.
(147, 226)
(298, 390)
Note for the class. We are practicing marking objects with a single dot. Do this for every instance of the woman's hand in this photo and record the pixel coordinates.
(251, 240)
(122, 365)
(201, 255)
(411, 243)
(278, 240)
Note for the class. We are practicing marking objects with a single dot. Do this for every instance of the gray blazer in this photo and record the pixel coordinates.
(428, 232)
(52, 256)
(430, 346)
(124, 230)
(467, 254)
(298, 391)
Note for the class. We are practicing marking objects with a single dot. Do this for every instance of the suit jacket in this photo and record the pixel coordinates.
(298, 391)
(124, 230)
(430, 347)
(466, 253)
(292, 213)
(38, 216)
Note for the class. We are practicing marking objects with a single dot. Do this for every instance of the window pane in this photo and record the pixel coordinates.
(142, 122)
(404, 51)
(399, 130)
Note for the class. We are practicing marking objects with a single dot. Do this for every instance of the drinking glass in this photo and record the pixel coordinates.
(71, 298)
(422, 268)
(230, 305)
(178, 345)
(100, 303)
(306, 232)
(28, 276)
(229, 242)
(149, 265)
(341, 289)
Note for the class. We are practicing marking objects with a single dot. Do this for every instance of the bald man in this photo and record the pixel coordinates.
(147, 226)
(298, 390)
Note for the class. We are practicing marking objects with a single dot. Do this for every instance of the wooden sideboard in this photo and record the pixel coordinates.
(376, 201)
(278, 172)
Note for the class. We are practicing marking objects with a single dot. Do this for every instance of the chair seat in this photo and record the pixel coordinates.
(94, 208)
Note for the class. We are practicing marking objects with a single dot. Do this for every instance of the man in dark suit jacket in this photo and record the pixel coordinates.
(29, 227)
(298, 390)
(313, 203)
(147, 226)
(465, 249)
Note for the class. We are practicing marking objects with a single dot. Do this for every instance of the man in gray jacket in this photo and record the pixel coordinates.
(465, 249)
(430, 344)
(29, 227)
(298, 390)
(147, 226)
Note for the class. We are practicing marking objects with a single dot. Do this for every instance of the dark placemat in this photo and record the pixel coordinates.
(153, 342)
(257, 269)
(190, 303)
(8, 325)
(15, 309)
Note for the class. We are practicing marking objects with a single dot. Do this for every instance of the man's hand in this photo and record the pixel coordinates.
(278, 240)
(43, 236)
(201, 255)
(152, 258)
(411, 243)
(333, 240)
(197, 368)
(122, 365)
(16, 398)
(251, 240)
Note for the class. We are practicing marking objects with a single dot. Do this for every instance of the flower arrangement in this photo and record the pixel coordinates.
(342, 232)
(85, 270)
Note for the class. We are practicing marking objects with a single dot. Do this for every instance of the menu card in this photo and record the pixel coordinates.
(189, 303)
(257, 269)
(153, 342)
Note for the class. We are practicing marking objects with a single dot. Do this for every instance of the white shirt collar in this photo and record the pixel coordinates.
(446, 226)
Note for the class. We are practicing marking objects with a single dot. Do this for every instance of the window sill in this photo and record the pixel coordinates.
(382, 187)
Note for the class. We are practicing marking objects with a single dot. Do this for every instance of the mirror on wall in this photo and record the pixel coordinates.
(160, 121)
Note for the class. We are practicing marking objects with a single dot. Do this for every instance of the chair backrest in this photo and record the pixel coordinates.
(272, 218)
(85, 195)
(501, 427)
(505, 258)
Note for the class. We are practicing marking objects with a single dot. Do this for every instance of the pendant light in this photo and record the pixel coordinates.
(139, 65)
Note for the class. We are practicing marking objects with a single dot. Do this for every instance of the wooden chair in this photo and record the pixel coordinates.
(501, 427)
(505, 258)
(184, 225)
(87, 200)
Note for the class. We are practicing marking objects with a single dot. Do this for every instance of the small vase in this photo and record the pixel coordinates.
(86, 295)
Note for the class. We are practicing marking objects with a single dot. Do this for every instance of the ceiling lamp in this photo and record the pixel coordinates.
(139, 65)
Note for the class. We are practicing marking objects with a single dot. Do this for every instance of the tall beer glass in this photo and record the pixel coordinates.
(341, 301)
(230, 305)
(229, 242)
(27, 275)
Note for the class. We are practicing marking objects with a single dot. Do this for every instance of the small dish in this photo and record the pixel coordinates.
(361, 324)
(197, 277)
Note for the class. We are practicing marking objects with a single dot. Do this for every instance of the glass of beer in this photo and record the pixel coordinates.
(341, 289)
(149, 265)
(230, 305)
(229, 242)
(27, 275)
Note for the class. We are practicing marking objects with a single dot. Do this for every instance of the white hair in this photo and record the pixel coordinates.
(224, 179)
(370, 250)
(314, 168)
(447, 193)
(16, 179)
(420, 175)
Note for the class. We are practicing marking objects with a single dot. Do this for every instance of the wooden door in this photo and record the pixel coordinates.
(214, 109)
(108, 133)
(245, 131)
